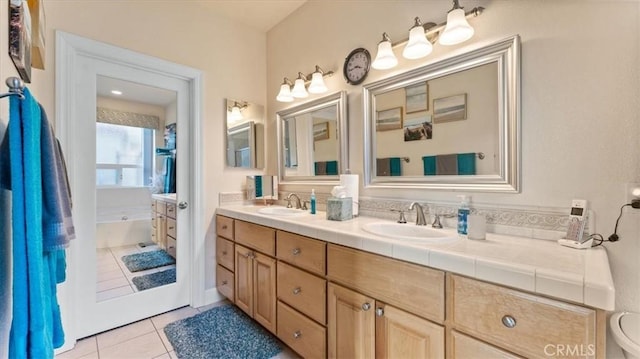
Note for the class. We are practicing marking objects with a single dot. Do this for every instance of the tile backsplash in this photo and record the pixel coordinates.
(532, 222)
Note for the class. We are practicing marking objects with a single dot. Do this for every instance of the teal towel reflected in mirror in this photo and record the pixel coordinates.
(389, 166)
(326, 168)
(451, 164)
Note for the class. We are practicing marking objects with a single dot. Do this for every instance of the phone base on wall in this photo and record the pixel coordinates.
(575, 244)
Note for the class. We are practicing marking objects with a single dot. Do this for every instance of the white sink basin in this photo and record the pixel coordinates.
(282, 211)
(409, 232)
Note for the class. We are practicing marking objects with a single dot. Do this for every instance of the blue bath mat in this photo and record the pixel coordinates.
(147, 260)
(221, 332)
(156, 279)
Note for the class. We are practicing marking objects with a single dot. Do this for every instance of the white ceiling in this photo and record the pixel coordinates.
(259, 14)
(134, 92)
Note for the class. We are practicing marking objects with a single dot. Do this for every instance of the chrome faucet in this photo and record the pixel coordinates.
(420, 220)
(298, 204)
(436, 221)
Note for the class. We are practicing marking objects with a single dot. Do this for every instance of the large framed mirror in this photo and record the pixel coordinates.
(312, 140)
(451, 125)
(245, 134)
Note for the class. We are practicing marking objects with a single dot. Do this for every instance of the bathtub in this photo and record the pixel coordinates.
(117, 227)
(123, 216)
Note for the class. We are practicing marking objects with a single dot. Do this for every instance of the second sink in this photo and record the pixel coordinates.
(409, 232)
(281, 211)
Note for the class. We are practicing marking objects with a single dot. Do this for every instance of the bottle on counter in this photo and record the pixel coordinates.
(313, 201)
(463, 215)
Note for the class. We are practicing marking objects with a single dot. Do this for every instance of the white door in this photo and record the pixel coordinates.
(91, 316)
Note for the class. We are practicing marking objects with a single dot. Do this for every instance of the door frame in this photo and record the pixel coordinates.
(69, 48)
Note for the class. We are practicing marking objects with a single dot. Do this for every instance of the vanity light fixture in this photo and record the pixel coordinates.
(385, 59)
(299, 90)
(235, 113)
(285, 91)
(421, 36)
(458, 29)
(418, 45)
(315, 81)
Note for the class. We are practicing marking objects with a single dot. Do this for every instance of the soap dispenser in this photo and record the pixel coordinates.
(463, 215)
(313, 201)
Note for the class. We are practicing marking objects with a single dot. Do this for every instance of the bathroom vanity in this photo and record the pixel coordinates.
(330, 289)
(163, 221)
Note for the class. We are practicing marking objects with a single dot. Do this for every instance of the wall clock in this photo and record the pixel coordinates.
(356, 66)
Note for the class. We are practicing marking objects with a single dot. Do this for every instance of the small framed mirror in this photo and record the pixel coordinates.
(245, 134)
(312, 140)
(451, 125)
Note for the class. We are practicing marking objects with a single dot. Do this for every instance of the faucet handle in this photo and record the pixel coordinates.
(304, 205)
(402, 218)
(436, 221)
(288, 202)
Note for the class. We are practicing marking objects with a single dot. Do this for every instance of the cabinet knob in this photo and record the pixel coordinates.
(379, 311)
(509, 321)
(224, 282)
(366, 306)
(171, 227)
(297, 290)
(297, 334)
(224, 253)
(224, 226)
(296, 251)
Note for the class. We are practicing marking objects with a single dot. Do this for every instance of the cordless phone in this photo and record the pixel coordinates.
(575, 231)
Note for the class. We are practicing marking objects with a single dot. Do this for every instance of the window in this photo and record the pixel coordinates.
(124, 155)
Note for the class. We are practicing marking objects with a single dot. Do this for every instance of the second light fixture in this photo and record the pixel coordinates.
(299, 90)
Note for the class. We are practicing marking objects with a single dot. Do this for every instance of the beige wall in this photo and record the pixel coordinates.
(580, 93)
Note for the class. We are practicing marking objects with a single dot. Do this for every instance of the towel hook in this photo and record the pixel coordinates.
(15, 87)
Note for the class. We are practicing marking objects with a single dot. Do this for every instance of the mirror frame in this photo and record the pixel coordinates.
(506, 54)
(339, 99)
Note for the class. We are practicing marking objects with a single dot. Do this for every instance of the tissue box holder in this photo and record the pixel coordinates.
(339, 209)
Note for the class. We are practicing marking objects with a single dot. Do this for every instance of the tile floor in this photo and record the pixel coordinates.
(144, 339)
(113, 278)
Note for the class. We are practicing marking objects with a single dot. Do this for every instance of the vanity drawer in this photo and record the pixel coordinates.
(300, 333)
(224, 282)
(303, 291)
(416, 289)
(171, 227)
(523, 323)
(161, 207)
(171, 247)
(224, 253)
(303, 252)
(171, 210)
(464, 347)
(224, 227)
(153, 205)
(260, 238)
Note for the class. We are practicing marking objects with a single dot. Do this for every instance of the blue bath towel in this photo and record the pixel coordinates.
(36, 326)
(467, 163)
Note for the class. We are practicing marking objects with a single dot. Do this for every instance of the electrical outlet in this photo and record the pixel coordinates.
(632, 191)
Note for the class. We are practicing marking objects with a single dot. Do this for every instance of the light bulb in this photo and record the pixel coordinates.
(457, 30)
(317, 83)
(385, 59)
(285, 93)
(418, 45)
(235, 114)
(299, 91)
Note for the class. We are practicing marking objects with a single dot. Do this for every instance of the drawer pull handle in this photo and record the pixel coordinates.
(366, 306)
(224, 253)
(509, 321)
(224, 226)
(297, 290)
(170, 227)
(296, 251)
(224, 282)
(380, 312)
(297, 334)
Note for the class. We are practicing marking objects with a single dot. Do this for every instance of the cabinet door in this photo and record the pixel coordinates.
(403, 335)
(162, 231)
(244, 279)
(264, 291)
(351, 321)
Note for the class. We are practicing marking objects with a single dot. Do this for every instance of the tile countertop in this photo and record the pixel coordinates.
(167, 197)
(534, 265)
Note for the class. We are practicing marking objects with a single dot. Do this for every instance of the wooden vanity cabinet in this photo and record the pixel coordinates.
(255, 273)
(225, 257)
(378, 307)
(361, 327)
(522, 323)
